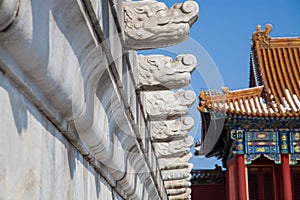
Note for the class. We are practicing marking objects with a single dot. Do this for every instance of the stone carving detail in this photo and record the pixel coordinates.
(150, 24)
(175, 163)
(177, 184)
(176, 191)
(163, 131)
(158, 72)
(186, 195)
(174, 148)
(177, 174)
(165, 105)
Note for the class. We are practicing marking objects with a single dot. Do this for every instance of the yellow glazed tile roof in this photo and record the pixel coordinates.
(275, 81)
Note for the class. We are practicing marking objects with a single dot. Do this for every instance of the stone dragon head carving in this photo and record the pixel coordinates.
(150, 24)
(171, 129)
(178, 162)
(158, 72)
(176, 148)
(166, 105)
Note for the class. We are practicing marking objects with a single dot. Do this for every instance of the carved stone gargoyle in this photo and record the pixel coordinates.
(179, 162)
(177, 184)
(158, 72)
(174, 148)
(165, 131)
(166, 105)
(177, 174)
(172, 192)
(184, 196)
(150, 24)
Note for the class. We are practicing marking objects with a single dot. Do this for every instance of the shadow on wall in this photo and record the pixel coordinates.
(20, 108)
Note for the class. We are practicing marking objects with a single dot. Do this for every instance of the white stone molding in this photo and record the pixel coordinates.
(175, 163)
(150, 24)
(128, 181)
(176, 148)
(175, 184)
(184, 196)
(166, 105)
(177, 174)
(176, 191)
(69, 78)
(101, 132)
(158, 72)
(137, 177)
(57, 52)
(177, 180)
(163, 131)
(8, 13)
(151, 191)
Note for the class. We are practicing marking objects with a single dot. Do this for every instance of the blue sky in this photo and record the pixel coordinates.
(220, 39)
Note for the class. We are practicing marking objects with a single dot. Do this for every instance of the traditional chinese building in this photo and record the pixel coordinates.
(256, 131)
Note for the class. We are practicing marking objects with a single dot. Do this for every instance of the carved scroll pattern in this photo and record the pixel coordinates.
(150, 24)
(166, 105)
(158, 72)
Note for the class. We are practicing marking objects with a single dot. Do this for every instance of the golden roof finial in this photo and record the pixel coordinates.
(262, 36)
(225, 90)
(258, 27)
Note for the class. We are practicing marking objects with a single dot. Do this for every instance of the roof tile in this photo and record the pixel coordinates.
(278, 63)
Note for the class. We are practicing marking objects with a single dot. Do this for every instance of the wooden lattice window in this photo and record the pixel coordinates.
(296, 182)
(268, 186)
(261, 183)
(253, 186)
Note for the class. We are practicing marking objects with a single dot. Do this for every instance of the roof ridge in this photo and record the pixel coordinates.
(207, 94)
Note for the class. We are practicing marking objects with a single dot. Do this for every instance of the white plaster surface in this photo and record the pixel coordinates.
(37, 162)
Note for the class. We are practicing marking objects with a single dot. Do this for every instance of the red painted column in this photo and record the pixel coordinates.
(286, 177)
(231, 179)
(241, 177)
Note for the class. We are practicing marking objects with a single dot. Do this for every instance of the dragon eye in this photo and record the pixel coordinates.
(161, 13)
(176, 13)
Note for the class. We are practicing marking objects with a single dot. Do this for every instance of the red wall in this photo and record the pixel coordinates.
(209, 192)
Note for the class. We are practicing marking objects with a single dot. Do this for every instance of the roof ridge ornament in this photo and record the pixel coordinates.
(262, 36)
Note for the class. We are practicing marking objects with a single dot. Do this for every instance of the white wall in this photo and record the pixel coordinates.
(36, 161)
